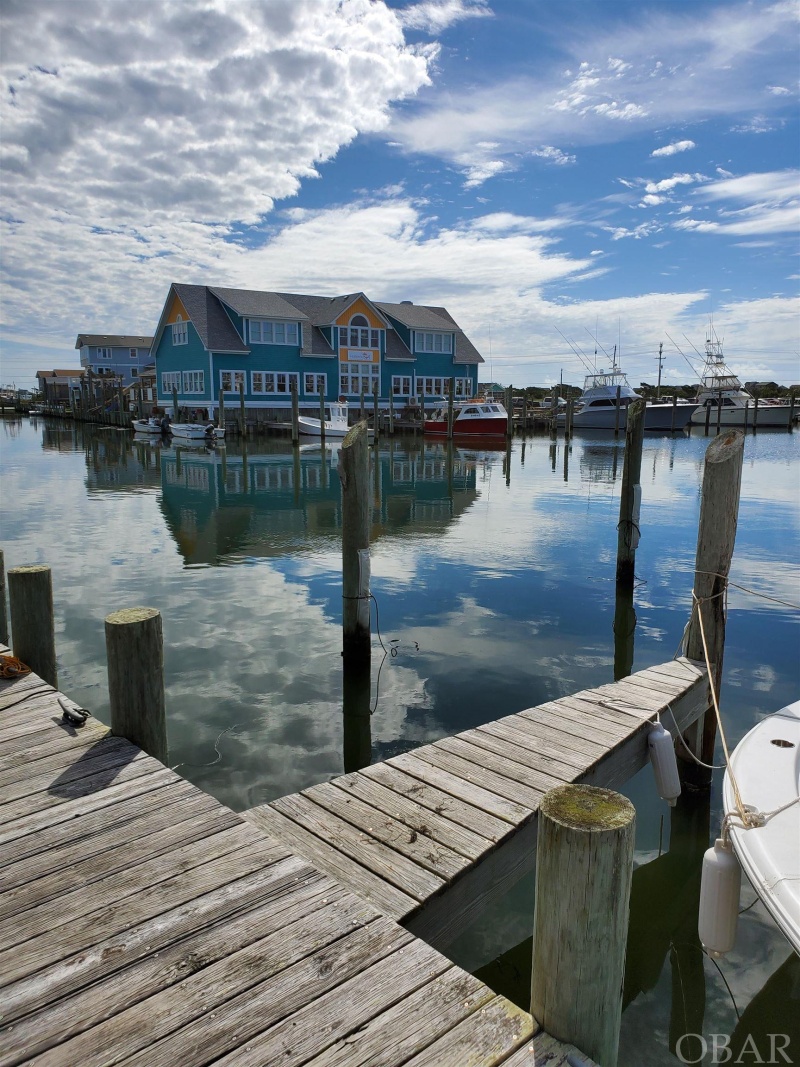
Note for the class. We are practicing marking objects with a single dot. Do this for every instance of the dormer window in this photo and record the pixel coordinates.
(180, 333)
(265, 332)
(433, 342)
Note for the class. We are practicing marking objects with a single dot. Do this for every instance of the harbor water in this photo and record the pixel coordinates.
(493, 579)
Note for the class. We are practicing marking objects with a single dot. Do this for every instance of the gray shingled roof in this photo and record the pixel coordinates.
(216, 330)
(417, 316)
(258, 305)
(396, 347)
(113, 340)
(423, 317)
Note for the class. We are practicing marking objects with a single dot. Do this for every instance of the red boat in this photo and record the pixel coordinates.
(477, 418)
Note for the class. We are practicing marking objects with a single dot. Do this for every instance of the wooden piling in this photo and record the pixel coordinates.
(30, 594)
(135, 651)
(584, 864)
(450, 409)
(791, 413)
(630, 495)
(295, 414)
(375, 424)
(746, 413)
(322, 420)
(617, 411)
(391, 413)
(755, 413)
(510, 410)
(673, 413)
(568, 419)
(242, 420)
(175, 410)
(221, 412)
(3, 606)
(354, 475)
(719, 507)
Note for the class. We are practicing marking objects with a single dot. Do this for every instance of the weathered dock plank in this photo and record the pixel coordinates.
(487, 781)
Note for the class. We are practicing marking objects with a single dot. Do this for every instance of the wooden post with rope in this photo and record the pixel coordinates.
(3, 607)
(354, 475)
(705, 636)
(630, 495)
(135, 651)
(584, 865)
(30, 594)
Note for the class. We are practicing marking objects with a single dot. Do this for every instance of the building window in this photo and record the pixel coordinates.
(230, 380)
(104, 353)
(401, 385)
(134, 353)
(428, 386)
(356, 336)
(433, 342)
(355, 378)
(263, 332)
(275, 382)
(180, 334)
(194, 381)
(315, 384)
(170, 380)
(134, 372)
(463, 387)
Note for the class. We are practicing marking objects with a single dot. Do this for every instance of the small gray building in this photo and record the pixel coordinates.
(121, 356)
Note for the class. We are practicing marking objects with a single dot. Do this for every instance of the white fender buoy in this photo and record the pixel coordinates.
(665, 765)
(719, 899)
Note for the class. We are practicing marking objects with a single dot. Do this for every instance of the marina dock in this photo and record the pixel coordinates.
(430, 836)
(145, 923)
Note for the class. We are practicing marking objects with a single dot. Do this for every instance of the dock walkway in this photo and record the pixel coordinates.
(143, 923)
(430, 836)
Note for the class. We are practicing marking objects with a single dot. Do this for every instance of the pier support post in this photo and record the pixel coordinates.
(376, 427)
(354, 475)
(391, 412)
(674, 413)
(322, 421)
(135, 651)
(791, 413)
(630, 495)
(221, 412)
(510, 411)
(617, 410)
(242, 421)
(755, 413)
(295, 414)
(584, 864)
(450, 409)
(3, 607)
(30, 594)
(568, 419)
(719, 508)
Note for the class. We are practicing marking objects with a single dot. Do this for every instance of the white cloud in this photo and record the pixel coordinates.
(672, 149)
(778, 90)
(668, 184)
(770, 204)
(553, 155)
(478, 173)
(434, 16)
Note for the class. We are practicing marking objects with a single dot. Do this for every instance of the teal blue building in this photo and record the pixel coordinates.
(211, 340)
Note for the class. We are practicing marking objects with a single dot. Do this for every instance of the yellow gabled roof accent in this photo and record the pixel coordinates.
(360, 307)
(176, 310)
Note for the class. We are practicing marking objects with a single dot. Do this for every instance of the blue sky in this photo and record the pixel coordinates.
(609, 173)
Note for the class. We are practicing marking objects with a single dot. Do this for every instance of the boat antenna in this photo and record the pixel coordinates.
(577, 351)
(660, 358)
(596, 342)
(691, 365)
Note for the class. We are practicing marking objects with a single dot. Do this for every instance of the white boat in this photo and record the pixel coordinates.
(336, 424)
(197, 431)
(151, 425)
(473, 418)
(597, 407)
(722, 397)
(766, 766)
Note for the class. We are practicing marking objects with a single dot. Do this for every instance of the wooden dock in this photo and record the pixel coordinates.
(429, 837)
(143, 923)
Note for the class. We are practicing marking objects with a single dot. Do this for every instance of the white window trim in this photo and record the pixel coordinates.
(181, 336)
(272, 323)
(234, 390)
(419, 342)
(314, 375)
(362, 372)
(346, 340)
(168, 382)
(186, 380)
(291, 375)
(409, 378)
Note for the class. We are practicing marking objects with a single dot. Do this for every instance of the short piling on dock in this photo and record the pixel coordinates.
(3, 606)
(30, 593)
(135, 650)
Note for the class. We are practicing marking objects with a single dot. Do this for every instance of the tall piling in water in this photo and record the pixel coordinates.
(354, 475)
(630, 495)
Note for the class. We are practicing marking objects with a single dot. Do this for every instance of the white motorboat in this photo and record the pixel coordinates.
(151, 425)
(473, 418)
(766, 766)
(597, 407)
(722, 399)
(197, 431)
(336, 424)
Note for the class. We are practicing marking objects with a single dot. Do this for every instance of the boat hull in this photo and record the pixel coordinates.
(766, 764)
(485, 428)
(145, 426)
(195, 432)
(660, 417)
(769, 415)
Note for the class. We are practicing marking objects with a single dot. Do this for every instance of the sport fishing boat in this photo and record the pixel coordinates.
(597, 407)
(336, 423)
(474, 418)
(722, 397)
(761, 833)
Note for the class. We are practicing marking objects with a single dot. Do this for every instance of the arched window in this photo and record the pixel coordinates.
(359, 320)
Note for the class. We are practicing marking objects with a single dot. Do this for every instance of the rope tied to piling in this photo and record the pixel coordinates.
(12, 667)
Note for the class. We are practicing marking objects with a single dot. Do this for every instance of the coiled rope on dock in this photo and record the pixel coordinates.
(12, 667)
